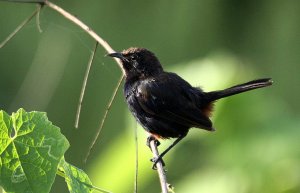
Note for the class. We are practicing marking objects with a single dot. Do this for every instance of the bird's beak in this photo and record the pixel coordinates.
(117, 55)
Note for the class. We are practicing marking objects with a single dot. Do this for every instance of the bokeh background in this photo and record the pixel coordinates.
(210, 43)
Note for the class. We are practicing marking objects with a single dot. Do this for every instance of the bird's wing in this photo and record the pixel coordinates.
(172, 98)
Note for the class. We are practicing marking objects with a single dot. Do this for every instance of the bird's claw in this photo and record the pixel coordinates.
(155, 160)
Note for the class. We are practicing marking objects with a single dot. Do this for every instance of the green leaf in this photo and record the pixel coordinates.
(30, 151)
(77, 180)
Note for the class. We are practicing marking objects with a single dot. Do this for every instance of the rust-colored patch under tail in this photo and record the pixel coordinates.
(208, 110)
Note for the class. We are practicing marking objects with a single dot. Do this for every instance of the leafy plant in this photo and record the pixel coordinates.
(32, 153)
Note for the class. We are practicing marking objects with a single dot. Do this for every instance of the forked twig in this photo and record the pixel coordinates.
(84, 85)
(104, 117)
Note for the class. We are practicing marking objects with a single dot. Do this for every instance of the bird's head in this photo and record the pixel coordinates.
(138, 62)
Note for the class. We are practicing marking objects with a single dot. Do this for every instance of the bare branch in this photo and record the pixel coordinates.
(84, 85)
(160, 168)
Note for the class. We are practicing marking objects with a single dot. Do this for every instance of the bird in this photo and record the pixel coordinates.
(166, 105)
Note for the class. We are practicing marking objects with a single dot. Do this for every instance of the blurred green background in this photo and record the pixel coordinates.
(210, 43)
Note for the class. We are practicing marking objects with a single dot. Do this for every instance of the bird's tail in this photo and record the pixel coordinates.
(254, 84)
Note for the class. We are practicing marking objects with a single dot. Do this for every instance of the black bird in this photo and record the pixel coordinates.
(166, 105)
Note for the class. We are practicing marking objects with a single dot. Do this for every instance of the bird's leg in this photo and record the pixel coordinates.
(157, 143)
(157, 159)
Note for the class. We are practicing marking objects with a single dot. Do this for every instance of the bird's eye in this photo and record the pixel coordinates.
(133, 57)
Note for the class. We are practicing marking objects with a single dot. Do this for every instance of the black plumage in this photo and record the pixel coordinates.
(166, 105)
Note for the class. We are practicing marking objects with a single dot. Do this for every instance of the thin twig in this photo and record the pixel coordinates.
(19, 28)
(104, 117)
(84, 85)
(160, 168)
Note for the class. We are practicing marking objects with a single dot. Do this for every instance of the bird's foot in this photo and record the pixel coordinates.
(150, 138)
(155, 160)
